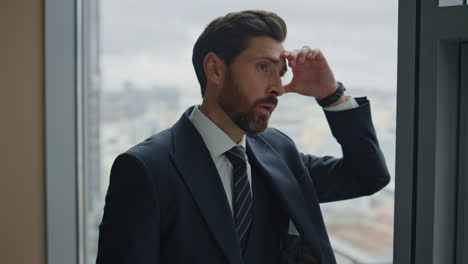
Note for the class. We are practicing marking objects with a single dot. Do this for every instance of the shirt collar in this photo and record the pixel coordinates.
(216, 140)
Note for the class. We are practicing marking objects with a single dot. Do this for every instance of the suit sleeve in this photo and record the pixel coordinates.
(129, 231)
(362, 169)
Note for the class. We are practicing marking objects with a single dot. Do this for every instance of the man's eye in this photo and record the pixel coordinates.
(263, 66)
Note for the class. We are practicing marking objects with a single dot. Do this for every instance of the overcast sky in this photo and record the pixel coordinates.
(150, 42)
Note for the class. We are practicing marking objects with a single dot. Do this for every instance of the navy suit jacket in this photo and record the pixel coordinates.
(166, 204)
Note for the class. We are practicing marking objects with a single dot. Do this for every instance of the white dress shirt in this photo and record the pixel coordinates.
(218, 142)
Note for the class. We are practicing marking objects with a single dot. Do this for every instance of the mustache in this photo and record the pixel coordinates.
(269, 100)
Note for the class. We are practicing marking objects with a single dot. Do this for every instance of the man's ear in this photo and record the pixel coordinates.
(214, 68)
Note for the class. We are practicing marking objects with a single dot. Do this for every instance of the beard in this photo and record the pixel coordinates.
(239, 110)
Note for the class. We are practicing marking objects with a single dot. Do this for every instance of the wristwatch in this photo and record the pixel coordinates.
(332, 98)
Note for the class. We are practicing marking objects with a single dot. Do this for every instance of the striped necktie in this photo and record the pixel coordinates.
(241, 193)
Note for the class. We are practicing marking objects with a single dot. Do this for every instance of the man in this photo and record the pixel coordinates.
(220, 186)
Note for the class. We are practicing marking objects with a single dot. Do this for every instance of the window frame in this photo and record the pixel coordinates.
(428, 59)
(62, 136)
(462, 244)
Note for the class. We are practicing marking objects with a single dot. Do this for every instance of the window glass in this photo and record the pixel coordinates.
(141, 80)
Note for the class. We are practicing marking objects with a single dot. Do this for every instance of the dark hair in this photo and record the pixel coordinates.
(228, 36)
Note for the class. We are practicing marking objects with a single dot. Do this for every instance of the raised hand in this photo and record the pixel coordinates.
(312, 76)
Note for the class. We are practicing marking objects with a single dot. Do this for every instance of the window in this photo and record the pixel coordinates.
(138, 79)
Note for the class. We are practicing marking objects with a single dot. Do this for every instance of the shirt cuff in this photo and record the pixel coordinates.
(348, 104)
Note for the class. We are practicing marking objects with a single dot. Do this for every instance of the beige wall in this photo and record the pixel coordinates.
(22, 216)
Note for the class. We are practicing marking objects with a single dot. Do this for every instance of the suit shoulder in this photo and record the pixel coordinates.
(273, 135)
(278, 140)
(154, 148)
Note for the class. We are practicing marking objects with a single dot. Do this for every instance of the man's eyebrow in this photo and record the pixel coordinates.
(275, 61)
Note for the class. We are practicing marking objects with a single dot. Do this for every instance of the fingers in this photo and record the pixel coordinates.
(292, 58)
(313, 55)
(316, 54)
(285, 54)
(298, 56)
(304, 55)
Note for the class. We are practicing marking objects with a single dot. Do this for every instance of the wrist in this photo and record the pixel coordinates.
(334, 97)
(328, 93)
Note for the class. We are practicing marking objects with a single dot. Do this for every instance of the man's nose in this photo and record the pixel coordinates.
(276, 87)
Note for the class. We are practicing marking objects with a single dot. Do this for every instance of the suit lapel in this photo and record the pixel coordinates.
(285, 184)
(194, 162)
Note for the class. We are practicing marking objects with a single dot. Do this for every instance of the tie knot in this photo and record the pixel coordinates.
(236, 155)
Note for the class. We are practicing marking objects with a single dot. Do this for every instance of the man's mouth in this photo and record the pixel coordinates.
(266, 108)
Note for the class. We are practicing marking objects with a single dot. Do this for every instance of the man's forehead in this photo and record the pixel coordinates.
(265, 52)
(265, 46)
(273, 58)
